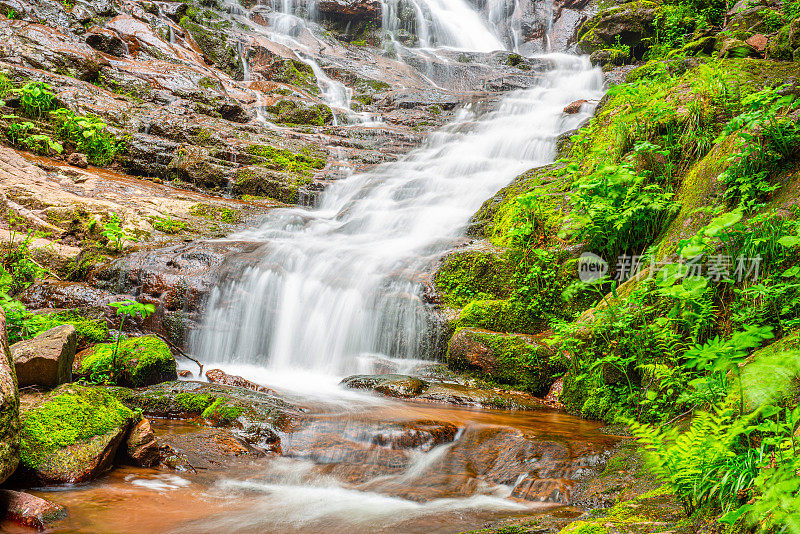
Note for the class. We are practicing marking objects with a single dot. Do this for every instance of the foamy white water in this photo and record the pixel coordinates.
(342, 282)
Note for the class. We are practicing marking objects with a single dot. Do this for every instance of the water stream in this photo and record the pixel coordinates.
(337, 289)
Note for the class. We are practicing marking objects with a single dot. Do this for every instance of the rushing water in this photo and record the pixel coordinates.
(341, 282)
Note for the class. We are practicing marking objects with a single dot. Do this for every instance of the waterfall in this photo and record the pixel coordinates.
(342, 282)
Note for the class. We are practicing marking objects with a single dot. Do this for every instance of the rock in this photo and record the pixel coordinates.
(46, 360)
(106, 41)
(144, 361)
(253, 415)
(195, 165)
(260, 182)
(141, 446)
(173, 10)
(555, 392)
(575, 107)
(758, 41)
(390, 385)
(71, 435)
(517, 360)
(29, 511)
(217, 376)
(185, 373)
(350, 9)
(9, 407)
(736, 48)
(76, 159)
(630, 24)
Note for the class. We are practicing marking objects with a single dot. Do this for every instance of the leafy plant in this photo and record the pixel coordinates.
(116, 235)
(36, 98)
(168, 225)
(124, 309)
(90, 135)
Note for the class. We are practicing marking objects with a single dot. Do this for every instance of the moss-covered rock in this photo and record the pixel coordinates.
(9, 407)
(470, 275)
(297, 112)
(548, 184)
(628, 25)
(258, 182)
(294, 72)
(143, 361)
(194, 164)
(499, 316)
(736, 48)
(514, 360)
(72, 434)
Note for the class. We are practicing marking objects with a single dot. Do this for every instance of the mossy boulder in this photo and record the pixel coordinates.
(72, 434)
(736, 48)
(515, 360)
(499, 316)
(497, 215)
(630, 24)
(144, 361)
(9, 407)
(467, 275)
(294, 72)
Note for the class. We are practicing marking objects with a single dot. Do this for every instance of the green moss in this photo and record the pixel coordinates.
(473, 275)
(191, 403)
(293, 72)
(216, 213)
(145, 360)
(295, 112)
(221, 413)
(516, 361)
(88, 331)
(281, 159)
(69, 415)
(499, 316)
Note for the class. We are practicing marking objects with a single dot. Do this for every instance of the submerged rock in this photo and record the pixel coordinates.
(46, 360)
(72, 434)
(217, 376)
(9, 407)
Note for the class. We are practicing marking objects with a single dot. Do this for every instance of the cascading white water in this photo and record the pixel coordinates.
(342, 281)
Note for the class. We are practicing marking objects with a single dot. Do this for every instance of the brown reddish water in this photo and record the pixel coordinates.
(377, 467)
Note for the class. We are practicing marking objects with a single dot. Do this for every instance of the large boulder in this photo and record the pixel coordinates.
(72, 434)
(516, 360)
(629, 24)
(140, 361)
(9, 407)
(46, 360)
(28, 510)
(141, 446)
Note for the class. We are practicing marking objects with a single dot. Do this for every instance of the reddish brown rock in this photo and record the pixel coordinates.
(574, 107)
(218, 376)
(76, 159)
(185, 373)
(554, 394)
(350, 9)
(390, 385)
(28, 510)
(46, 360)
(141, 445)
(758, 41)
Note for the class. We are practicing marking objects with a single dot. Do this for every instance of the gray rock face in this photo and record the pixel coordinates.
(45, 360)
(9, 408)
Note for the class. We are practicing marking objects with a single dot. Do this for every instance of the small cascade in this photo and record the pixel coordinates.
(341, 282)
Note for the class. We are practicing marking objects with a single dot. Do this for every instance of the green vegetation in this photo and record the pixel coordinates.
(168, 225)
(134, 362)
(89, 134)
(71, 414)
(115, 234)
(281, 159)
(216, 213)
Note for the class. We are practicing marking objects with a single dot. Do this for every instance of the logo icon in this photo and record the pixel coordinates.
(591, 267)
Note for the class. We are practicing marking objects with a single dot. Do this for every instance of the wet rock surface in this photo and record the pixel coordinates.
(28, 510)
(9, 407)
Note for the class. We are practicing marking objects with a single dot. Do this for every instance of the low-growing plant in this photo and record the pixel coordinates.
(36, 98)
(116, 235)
(90, 135)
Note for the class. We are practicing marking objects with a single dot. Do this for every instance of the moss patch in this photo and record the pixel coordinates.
(216, 213)
(281, 159)
(68, 415)
(499, 316)
(473, 275)
(144, 360)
